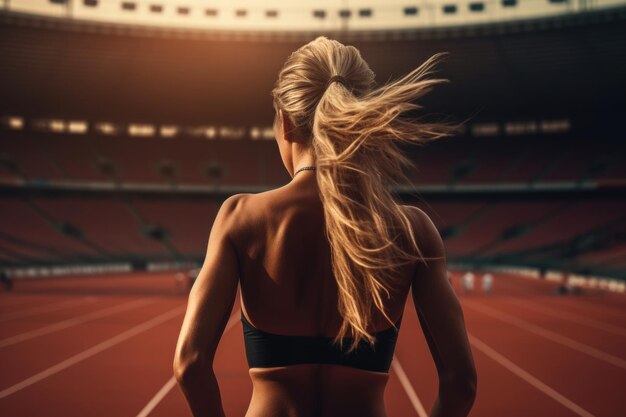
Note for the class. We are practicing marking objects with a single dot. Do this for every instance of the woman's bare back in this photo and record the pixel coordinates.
(288, 288)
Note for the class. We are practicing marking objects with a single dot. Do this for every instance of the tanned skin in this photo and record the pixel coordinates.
(273, 246)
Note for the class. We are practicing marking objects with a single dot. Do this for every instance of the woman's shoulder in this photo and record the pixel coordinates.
(246, 204)
(248, 211)
(418, 216)
(425, 230)
(233, 213)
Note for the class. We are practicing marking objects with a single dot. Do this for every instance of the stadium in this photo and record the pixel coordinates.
(124, 125)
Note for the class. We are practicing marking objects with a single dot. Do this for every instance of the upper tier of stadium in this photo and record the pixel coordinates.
(302, 16)
(567, 69)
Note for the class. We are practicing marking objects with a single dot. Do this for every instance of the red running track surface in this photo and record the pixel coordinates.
(103, 346)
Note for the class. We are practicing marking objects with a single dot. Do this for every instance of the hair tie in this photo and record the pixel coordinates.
(339, 78)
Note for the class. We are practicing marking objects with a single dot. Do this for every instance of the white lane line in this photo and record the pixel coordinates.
(45, 308)
(73, 322)
(576, 318)
(73, 360)
(158, 397)
(408, 388)
(532, 380)
(548, 334)
(171, 383)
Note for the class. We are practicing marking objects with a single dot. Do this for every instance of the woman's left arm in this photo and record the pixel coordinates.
(210, 302)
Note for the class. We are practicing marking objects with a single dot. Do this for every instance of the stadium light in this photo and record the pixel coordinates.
(106, 128)
(169, 131)
(78, 127)
(13, 122)
(227, 132)
(261, 133)
(485, 129)
(56, 125)
(520, 128)
(210, 132)
(141, 130)
(268, 133)
(555, 126)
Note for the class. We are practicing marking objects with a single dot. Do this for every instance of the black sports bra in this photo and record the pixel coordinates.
(268, 350)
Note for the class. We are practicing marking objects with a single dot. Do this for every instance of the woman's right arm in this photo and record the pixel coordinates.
(441, 318)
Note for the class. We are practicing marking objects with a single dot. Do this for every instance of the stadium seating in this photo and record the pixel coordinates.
(257, 163)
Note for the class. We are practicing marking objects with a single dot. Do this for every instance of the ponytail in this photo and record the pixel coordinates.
(356, 131)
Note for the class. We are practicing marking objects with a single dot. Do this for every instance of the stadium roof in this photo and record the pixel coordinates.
(276, 16)
(567, 67)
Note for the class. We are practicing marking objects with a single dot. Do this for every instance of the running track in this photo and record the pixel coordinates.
(103, 346)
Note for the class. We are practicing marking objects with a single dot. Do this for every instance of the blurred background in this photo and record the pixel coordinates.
(125, 124)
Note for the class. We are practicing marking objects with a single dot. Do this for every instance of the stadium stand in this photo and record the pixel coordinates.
(32, 234)
(129, 163)
(110, 223)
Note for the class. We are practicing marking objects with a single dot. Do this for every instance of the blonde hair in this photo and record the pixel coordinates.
(355, 131)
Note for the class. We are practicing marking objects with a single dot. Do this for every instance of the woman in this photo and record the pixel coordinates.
(326, 262)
